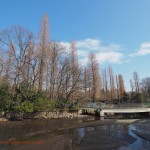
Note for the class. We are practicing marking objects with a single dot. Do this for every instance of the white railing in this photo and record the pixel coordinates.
(99, 105)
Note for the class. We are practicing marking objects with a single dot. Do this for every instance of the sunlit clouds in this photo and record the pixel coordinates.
(143, 50)
(111, 53)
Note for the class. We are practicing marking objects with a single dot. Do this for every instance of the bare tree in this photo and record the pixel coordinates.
(121, 86)
(112, 84)
(105, 84)
(145, 86)
(49, 67)
(75, 70)
(118, 91)
(15, 42)
(85, 81)
(132, 87)
(43, 44)
(93, 64)
(136, 82)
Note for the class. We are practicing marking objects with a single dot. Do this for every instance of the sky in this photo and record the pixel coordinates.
(117, 31)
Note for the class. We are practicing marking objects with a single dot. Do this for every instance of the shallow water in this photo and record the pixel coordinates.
(139, 144)
(64, 134)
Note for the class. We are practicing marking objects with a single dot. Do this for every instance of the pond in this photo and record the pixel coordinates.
(89, 133)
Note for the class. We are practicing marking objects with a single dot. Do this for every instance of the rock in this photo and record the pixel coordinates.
(42, 114)
(3, 119)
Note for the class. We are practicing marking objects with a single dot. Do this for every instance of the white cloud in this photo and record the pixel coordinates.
(83, 53)
(111, 57)
(109, 53)
(92, 44)
(144, 50)
(112, 47)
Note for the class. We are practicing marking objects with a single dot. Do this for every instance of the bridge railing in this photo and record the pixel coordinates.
(127, 105)
(100, 105)
(93, 105)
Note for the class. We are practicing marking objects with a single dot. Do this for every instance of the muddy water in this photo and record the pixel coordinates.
(79, 134)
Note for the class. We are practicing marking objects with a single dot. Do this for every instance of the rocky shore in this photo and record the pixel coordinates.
(39, 115)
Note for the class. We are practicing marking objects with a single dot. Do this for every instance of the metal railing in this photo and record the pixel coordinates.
(100, 105)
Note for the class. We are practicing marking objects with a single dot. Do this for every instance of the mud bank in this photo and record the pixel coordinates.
(142, 129)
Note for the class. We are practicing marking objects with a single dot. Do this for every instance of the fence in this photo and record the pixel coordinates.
(100, 105)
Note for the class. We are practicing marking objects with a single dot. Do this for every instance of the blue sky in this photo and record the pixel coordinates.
(118, 31)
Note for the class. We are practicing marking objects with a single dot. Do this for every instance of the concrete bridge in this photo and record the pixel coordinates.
(115, 109)
(123, 111)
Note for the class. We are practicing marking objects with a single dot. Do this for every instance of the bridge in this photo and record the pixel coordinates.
(111, 109)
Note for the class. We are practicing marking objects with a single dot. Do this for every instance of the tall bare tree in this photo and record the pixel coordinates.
(117, 90)
(112, 83)
(136, 82)
(121, 86)
(43, 45)
(93, 64)
(75, 70)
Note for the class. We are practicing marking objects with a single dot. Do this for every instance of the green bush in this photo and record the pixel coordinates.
(125, 97)
(28, 100)
(74, 107)
(5, 97)
(59, 105)
(24, 92)
(138, 97)
(65, 105)
(44, 104)
(24, 107)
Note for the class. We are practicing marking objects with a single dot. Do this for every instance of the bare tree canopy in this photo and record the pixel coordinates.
(47, 66)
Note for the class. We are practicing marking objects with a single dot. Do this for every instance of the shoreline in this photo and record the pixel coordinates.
(5, 116)
(48, 125)
(142, 129)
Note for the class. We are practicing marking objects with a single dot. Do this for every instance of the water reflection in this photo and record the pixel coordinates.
(111, 132)
(64, 135)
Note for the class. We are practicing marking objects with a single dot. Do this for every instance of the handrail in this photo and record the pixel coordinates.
(121, 106)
